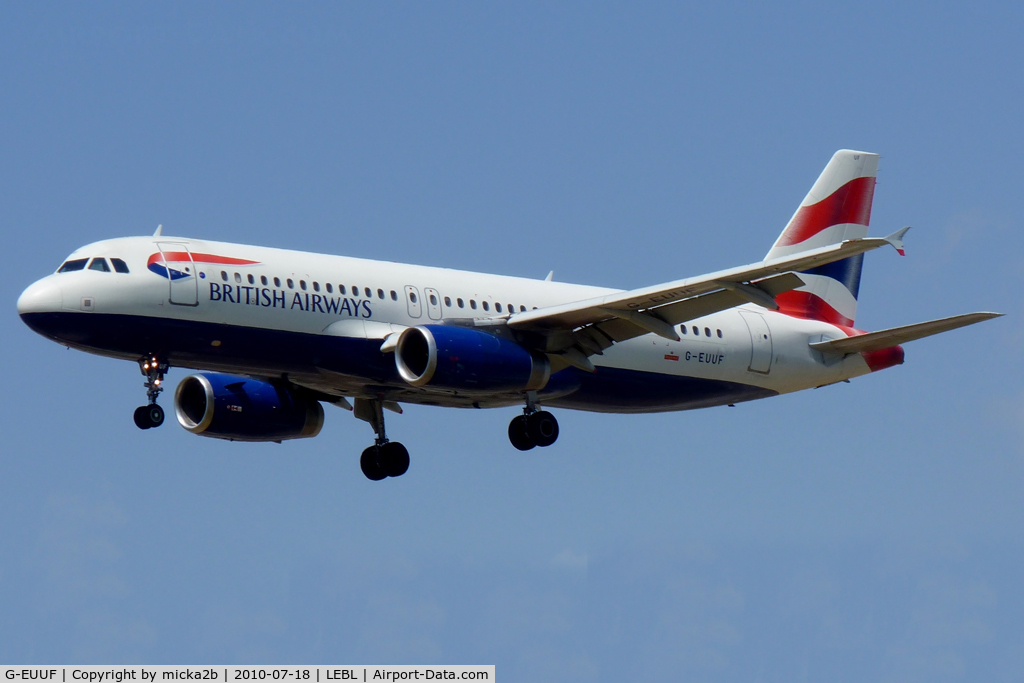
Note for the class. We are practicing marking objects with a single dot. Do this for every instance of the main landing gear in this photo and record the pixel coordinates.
(535, 427)
(384, 458)
(151, 415)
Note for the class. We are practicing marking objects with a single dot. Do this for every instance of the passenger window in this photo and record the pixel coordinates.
(238, 278)
(707, 331)
(522, 309)
(448, 301)
(682, 328)
(367, 292)
(302, 285)
(341, 289)
(291, 284)
(497, 307)
(119, 265)
(316, 286)
(511, 308)
(277, 282)
(696, 330)
(719, 334)
(330, 288)
(251, 279)
(461, 303)
(100, 265)
(380, 293)
(394, 295)
(486, 306)
(472, 304)
(433, 300)
(412, 297)
(263, 280)
(224, 275)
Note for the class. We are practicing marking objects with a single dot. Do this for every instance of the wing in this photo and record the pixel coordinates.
(580, 329)
(883, 339)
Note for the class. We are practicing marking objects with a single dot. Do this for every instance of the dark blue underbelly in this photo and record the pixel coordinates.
(190, 344)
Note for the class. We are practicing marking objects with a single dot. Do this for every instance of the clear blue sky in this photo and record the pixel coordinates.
(869, 531)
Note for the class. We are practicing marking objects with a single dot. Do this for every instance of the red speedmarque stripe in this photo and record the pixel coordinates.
(811, 306)
(851, 203)
(182, 257)
(884, 358)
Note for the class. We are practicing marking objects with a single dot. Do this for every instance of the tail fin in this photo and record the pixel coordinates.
(837, 208)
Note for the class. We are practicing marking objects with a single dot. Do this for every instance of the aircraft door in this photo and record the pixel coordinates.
(412, 299)
(760, 342)
(181, 273)
(433, 303)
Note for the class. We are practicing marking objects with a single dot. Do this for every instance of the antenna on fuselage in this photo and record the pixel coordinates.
(159, 230)
(550, 276)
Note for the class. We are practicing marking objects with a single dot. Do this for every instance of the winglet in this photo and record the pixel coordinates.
(896, 240)
(159, 230)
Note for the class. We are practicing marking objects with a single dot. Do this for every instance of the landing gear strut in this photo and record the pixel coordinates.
(384, 458)
(151, 415)
(535, 427)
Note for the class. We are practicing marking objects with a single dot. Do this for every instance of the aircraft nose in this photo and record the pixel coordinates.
(43, 296)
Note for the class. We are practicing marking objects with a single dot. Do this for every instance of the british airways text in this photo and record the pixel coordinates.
(276, 298)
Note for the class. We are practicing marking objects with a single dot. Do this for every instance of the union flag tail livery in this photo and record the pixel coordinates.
(275, 334)
(837, 208)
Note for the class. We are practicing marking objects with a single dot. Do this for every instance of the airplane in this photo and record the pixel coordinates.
(275, 333)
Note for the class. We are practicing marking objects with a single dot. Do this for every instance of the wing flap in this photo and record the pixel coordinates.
(883, 339)
(618, 329)
(577, 314)
(724, 299)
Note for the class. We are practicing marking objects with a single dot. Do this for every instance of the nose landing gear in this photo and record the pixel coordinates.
(535, 427)
(151, 415)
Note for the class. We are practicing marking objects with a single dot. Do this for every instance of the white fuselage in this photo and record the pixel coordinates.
(320, 320)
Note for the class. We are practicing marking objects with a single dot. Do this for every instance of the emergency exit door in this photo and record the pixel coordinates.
(182, 278)
(760, 342)
(412, 300)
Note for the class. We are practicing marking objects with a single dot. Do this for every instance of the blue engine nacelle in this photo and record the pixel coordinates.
(465, 359)
(244, 409)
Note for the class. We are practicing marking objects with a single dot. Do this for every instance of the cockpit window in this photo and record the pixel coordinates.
(74, 264)
(99, 264)
(119, 265)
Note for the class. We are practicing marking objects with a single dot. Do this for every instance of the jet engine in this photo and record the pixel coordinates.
(466, 359)
(245, 409)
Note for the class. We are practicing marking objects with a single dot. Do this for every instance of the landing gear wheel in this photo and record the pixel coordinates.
(393, 458)
(147, 417)
(155, 414)
(370, 465)
(141, 417)
(542, 428)
(519, 434)
(384, 458)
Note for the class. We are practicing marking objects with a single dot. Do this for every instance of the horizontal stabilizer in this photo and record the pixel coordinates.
(883, 339)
